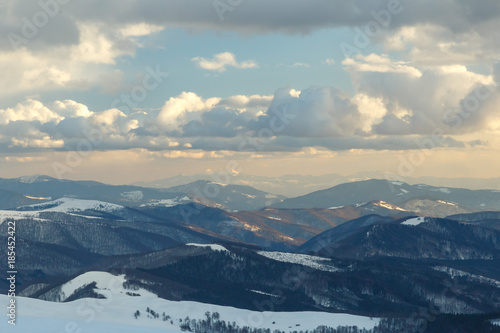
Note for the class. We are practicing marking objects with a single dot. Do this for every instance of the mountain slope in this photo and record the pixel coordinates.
(261, 280)
(414, 238)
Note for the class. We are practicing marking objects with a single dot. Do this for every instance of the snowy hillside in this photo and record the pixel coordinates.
(63, 205)
(116, 312)
(300, 259)
(68, 205)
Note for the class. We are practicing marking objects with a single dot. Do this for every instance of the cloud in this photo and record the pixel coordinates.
(385, 113)
(301, 64)
(31, 110)
(177, 110)
(379, 63)
(315, 112)
(425, 26)
(417, 100)
(242, 101)
(81, 38)
(329, 61)
(222, 60)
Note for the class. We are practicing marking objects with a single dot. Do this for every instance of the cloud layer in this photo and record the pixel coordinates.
(385, 113)
(419, 91)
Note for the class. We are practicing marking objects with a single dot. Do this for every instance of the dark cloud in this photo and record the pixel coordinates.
(316, 112)
(256, 16)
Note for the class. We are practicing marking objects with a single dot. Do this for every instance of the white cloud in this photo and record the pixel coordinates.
(69, 108)
(379, 63)
(222, 60)
(140, 29)
(329, 61)
(301, 64)
(45, 77)
(30, 110)
(176, 110)
(243, 102)
(372, 110)
(96, 47)
(418, 100)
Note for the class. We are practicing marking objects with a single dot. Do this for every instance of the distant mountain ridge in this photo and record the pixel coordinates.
(293, 185)
(30, 190)
(394, 192)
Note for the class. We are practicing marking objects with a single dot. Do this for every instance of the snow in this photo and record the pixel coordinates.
(453, 273)
(63, 205)
(301, 259)
(30, 179)
(271, 196)
(263, 293)
(15, 215)
(133, 195)
(66, 205)
(336, 207)
(415, 221)
(104, 281)
(168, 202)
(275, 218)
(444, 190)
(403, 190)
(213, 247)
(115, 313)
(397, 183)
(495, 322)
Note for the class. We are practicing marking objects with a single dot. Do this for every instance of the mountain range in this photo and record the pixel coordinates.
(370, 248)
(296, 185)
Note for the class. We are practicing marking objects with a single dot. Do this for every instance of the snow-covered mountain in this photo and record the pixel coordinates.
(70, 205)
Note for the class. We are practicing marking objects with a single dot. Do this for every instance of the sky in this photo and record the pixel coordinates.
(121, 91)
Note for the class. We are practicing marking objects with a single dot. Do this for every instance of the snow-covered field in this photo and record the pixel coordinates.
(116, 312)
(301, 259)
(62, 205)
(66, 205)
(214, 247)
(415, 221)
(168, 202)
